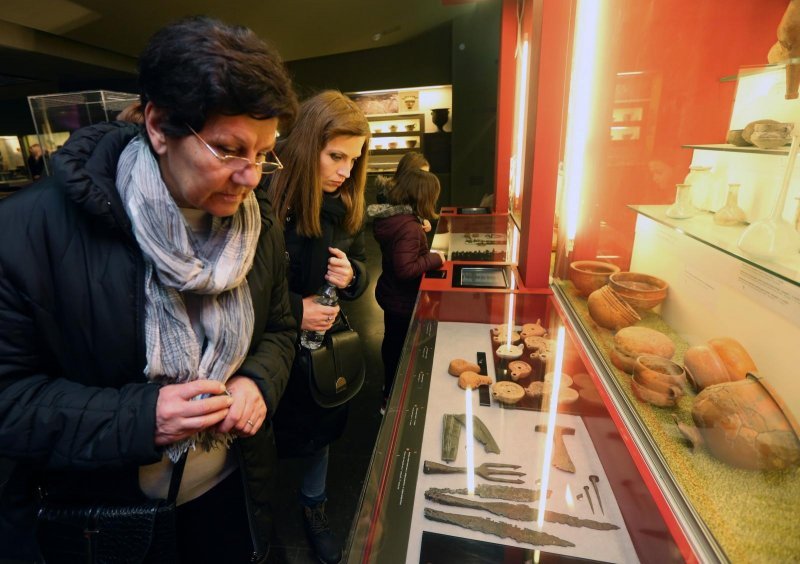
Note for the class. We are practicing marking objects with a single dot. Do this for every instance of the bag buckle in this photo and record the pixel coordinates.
(341, 384)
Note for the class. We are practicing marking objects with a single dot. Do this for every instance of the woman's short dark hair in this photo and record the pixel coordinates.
(199, 66)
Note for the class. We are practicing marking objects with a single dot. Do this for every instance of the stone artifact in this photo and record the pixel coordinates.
(516, 511)
(632, 342)
(459, 365)
(491, 471)
(751, 127)
(507, 392)
(509, 493)
(771, 136)
(590, 275)
(481, 432)
(745, 424)
(609, 310)
(561, 458)
(470, 380)
(497, 528)
(519, 369)
(788, 47)
(734, 137)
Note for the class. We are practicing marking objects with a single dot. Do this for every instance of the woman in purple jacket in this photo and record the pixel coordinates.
(398, 228)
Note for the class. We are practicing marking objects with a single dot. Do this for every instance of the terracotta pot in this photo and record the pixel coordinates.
(639, 290)
(609, 310)
(660, 375)
(704, 367)
(746, 425)
(734, 356)
(590, 275)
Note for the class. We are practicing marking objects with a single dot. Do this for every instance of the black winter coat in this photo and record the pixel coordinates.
(404, 255)
(301, 426)
(76, 413)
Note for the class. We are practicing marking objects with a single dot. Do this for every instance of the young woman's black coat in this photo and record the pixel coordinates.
(302, 427)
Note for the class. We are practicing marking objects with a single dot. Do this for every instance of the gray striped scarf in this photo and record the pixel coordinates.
(175, 262)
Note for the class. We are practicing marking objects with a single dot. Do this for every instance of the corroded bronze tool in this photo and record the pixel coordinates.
(508, 493)
(594, 479)
(497, 528)
(517, 511)
(487, 471)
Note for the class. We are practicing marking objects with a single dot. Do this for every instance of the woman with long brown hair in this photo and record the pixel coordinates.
(319, 199)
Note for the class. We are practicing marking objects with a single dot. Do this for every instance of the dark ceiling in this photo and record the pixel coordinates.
(49, 42)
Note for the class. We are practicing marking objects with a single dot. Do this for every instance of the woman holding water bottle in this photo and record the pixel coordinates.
(319, 198)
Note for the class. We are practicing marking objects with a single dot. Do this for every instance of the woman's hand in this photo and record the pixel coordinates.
(178, 417)
(340, 271)
(248, 410)
(317, 317)
(426, 226)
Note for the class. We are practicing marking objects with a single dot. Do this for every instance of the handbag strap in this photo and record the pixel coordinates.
(175, 479)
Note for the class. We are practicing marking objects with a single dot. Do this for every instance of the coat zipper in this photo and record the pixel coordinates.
(248, 503)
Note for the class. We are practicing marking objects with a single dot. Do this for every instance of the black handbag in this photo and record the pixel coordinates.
(143, 532)
(336, 369)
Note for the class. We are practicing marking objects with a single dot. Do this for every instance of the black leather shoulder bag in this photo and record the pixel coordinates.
(118, 534)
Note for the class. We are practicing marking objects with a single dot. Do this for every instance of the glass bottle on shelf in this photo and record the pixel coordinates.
(326, 296)
(683, 208)
(731, 214)
(700, 179)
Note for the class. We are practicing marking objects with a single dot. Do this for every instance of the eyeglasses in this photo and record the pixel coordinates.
(240, 163)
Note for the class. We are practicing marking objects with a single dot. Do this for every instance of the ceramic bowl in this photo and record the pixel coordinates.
(590, 275)
(609, 310)
(411, 143)
(639, 290)
(392, 144)
(410, 127)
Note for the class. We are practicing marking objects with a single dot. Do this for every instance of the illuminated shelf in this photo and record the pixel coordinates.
(702, 228)
(734, 149)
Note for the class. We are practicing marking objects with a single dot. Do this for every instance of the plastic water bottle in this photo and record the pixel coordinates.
(326, 296)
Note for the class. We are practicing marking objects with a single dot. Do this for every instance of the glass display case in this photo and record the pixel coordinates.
(55, 116)
(678, 260)
(498, 447)
(470, 234)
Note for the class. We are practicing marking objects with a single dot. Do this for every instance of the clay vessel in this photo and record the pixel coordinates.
(735, 357)
(704, 367)
(639, 290)
(771, 136)
(609, 310)
(661, 379)
(746, 425)
(590, 275)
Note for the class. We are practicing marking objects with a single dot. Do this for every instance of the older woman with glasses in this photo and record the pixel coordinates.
(145, 324)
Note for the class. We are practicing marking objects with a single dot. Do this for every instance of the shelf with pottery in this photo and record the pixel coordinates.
(736, 149)
(702, 228)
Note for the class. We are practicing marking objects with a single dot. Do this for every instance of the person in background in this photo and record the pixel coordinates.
(36, 161)
(145, 313)
(410, 161)
(319, 199)
(398, 228)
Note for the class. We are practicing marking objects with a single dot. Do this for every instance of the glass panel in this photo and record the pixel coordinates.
(435, 490)
(680, 226)
(470, 236)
